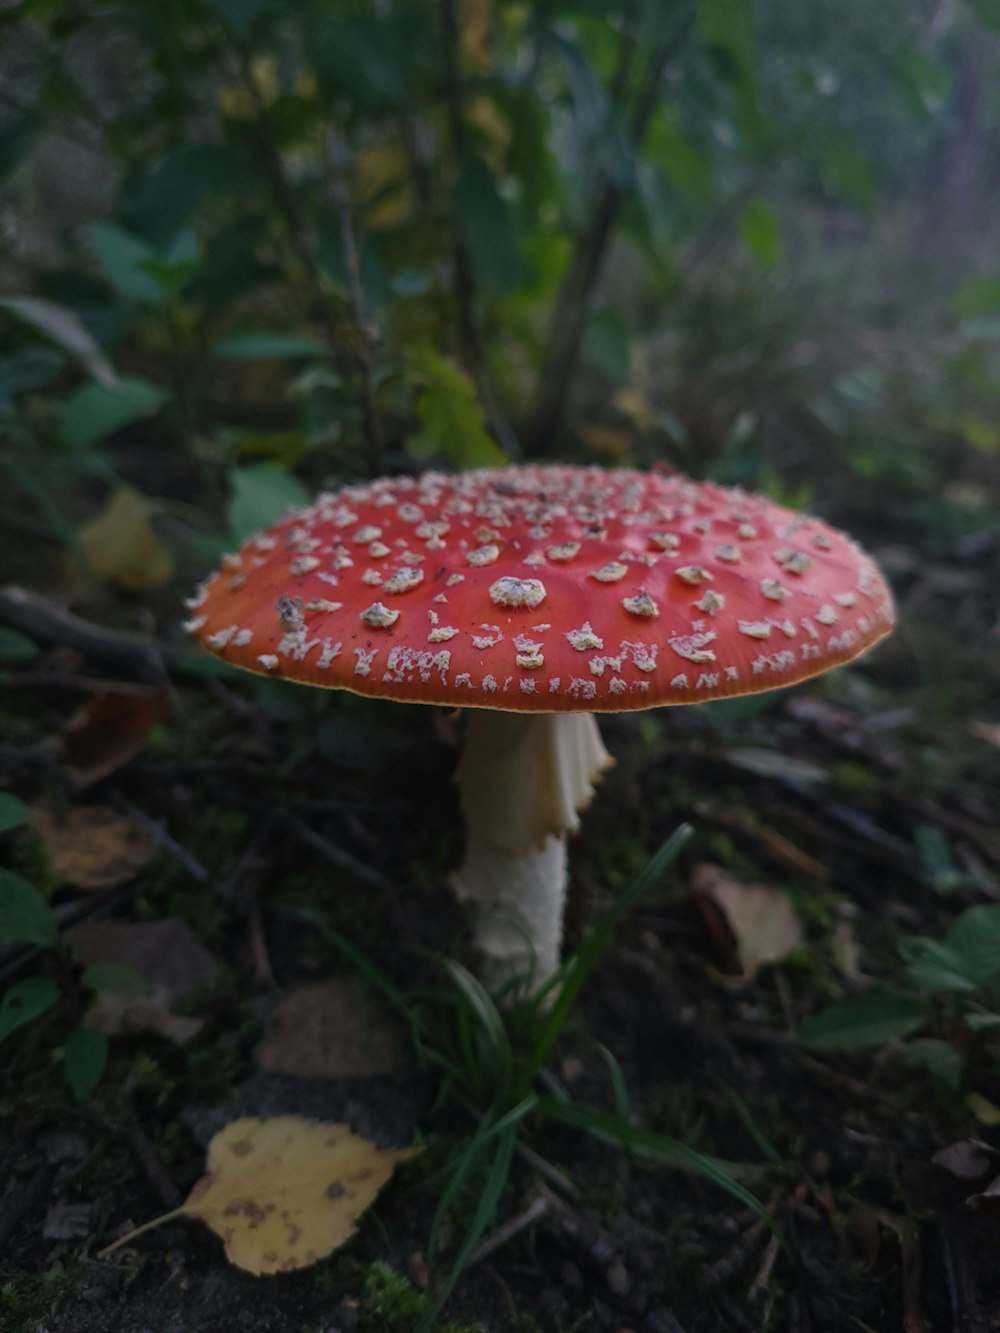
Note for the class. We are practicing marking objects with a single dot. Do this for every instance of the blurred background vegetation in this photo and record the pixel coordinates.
(252, 247)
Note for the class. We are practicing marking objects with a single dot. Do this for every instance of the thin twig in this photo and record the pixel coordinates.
(127, 1127)
(465, 287)
(161, 837)
(338, 857)
(361, 340)
(523, 1221)
(288, 207)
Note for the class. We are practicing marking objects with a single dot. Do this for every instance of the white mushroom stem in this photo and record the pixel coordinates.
(522, 778)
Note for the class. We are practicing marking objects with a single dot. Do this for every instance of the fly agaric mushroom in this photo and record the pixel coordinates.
(537, 596)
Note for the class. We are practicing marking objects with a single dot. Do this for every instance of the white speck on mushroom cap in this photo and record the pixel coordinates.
(485, 536)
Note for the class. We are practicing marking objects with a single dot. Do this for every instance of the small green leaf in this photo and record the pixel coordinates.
(13, 812)
(261, 493)
(269, 347)
(975, 938)
(114, 979)
(759, 231)
(932, 965)
(847, 170)
(25, 916)
(862, 1022)
(16, 647)
(95, 412)
(942, 1059)
(85, 1058)
(24, 1001)
(122, 258)
(452, 420)
(63, 327)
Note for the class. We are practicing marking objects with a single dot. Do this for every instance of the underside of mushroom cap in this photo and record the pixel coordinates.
(544, 589)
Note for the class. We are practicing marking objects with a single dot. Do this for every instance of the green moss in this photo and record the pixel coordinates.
(30, 1297)
(392, 1305)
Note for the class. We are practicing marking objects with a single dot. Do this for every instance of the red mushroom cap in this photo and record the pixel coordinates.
(546, 589)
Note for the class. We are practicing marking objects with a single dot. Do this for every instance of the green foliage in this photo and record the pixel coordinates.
(957, 977)
(416, 233)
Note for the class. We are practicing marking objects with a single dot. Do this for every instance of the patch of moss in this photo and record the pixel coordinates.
(392, 1305)
(30, 1297)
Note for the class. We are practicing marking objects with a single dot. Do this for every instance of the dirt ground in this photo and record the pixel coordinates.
(870, 800)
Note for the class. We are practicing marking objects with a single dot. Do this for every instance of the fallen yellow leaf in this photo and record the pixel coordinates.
(284, 1192)
(121, 546)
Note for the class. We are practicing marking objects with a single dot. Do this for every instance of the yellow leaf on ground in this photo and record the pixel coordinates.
(283, 1192)
(121, 546)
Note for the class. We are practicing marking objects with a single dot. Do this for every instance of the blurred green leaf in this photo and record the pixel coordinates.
(95, 412)
(924, 81)
(942, 1059)
(63, 327)
(978, 296)
(240, 15)
(488, 227)
(452, 421)
(607, 346)
(667, 148)
(987, 12)
(13, 812)
(158, 201)
(863, 1022)
(24, 1001)
(123, 259)
(16, 647)
(20, 134)
(25, 916)
(847, 170)
(33, 368)
(759, 232)
(269, 346)
(85, 1058)
(260, 495)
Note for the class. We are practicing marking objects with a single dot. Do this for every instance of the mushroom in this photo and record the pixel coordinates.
(535, 597)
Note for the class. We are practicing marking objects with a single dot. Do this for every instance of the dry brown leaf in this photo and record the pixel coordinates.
(987, 731)
(762, 922)
(109, 730)
(284, 1192)
(334, 1029)
(968, 1159)
(166, 955)
(121, 546)
(93, 846)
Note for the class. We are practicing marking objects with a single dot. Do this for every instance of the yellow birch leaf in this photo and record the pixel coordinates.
(284, 1192)
(121, 546)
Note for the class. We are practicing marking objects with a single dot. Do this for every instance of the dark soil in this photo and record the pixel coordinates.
(870, 1232)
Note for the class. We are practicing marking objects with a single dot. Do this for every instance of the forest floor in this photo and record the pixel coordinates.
(865, 803)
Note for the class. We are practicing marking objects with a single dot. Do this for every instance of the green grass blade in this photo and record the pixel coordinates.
(488, 1021)
(486, 1209)
(611, 1129)
(578, 968)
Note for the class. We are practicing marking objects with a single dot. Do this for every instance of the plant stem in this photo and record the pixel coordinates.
(287, 205)
(573, 302)
(465, 287)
